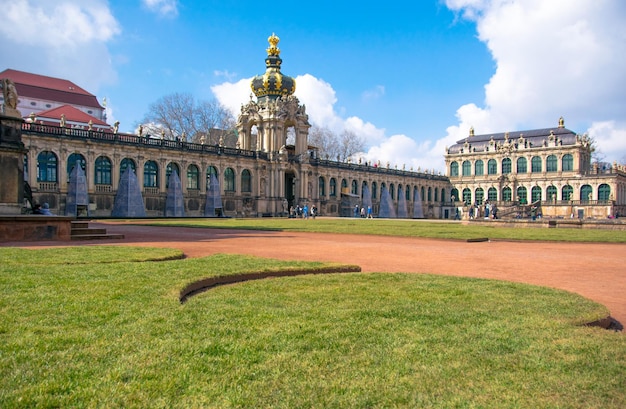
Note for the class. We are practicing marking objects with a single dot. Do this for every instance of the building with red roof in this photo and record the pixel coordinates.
(40, 93)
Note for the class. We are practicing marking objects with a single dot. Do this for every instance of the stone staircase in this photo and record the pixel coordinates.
(82, 231)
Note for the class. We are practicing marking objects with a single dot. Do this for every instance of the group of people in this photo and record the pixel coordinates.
(363, 212)
(43, 209)
(303, 211)
(488, 211)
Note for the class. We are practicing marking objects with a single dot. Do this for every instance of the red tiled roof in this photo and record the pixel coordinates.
(48, 88)
(71, 115)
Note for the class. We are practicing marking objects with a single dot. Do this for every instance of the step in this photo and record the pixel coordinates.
(99, 237)
(87, 231)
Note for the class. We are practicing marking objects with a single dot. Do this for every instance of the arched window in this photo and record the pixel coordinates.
(127, 163)
(344, 185)
(355, 188)
(321, 183)
(535, 194)
(151, 174)
(246, 181)
(454, 169)
(567, 163)
(585, 193)
(467, 168)
(551, 163)
(229, 180)
(168, 171)
(211, 170)
(423, 195)
(492, 194)
(551, 193)
(392, 192)
(535, 164)
(479, 168)
(506, 166)
(492, 167)
(522, 195)
(47, 167)
(567, 192)
(443, 195)
(454, 195)
(480, 195)
(467, 196)
(333, 187)
(507, 194)
(436, 195)
(430, 193)
(604, 192)
(374, 192)
(73, 160)
(102, 169)
(193, 177)
(522, 165)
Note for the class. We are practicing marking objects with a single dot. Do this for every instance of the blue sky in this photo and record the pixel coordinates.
(411, 77)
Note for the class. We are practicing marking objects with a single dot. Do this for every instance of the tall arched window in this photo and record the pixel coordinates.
(392, 192)
(492, 194)
(443, 195)
(229, 180)
(535, 194)
(522, 165)
(551, 163)
(151, 174)
(454, 169)
(423, 195)
(436, 194)
(479, 168)
(211, 170)
(430, 193)
(374, 190)
(127, 163)
(506, 166)
(246, 181)
(467, 168)
(492, 167)
(522, 195)
(535, 164)
(344, 185)
(73, 160)
(585, 193)
(567, 192)
(321, 183)
(355, 188)
(454, 195)
(168, 171)
(193, 177)
(333, 187)
(551, 193)
(467, 196)
(604, 192)
(47, 167)
(102, 169)
(567, 163)
(507, 194)
(480, 195)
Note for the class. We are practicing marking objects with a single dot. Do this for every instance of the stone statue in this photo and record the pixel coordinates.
(62, 124)
(10, 98)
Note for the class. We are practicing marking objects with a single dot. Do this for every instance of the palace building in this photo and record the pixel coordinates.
(262, 175)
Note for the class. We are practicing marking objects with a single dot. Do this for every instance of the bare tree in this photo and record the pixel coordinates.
(350, 143)
(325, 141)
(180, 116)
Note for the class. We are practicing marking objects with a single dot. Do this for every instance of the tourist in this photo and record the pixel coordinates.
(369, 212)
(356, 210)
(305, 212)
(362, 213)
(313, 211)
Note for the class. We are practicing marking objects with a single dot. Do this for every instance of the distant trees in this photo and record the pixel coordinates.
(180, 116)
(335, 146)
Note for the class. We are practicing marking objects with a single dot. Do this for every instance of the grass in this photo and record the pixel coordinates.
(407, 228)
(107, 330)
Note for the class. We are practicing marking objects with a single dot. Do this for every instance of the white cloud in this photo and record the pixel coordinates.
(67, 37)
(165, 8)
(554, 58)
(374, 93)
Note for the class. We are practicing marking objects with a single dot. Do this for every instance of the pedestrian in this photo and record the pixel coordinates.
(356, 210)
(369, 212)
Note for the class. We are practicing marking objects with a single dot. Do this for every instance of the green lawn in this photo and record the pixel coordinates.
(408, 228)
(103, 327)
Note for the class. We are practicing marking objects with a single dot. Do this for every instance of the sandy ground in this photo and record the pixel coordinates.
(596, 271)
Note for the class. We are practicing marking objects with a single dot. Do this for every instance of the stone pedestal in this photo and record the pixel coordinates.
(11, 165)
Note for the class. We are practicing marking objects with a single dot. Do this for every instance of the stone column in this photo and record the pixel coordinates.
(12, 152)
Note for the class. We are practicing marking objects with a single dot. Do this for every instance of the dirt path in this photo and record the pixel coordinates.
(596, 271)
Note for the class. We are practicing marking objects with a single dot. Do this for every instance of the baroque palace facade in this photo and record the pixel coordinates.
(262, 175)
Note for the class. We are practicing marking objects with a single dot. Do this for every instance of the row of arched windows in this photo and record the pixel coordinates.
(47, 171)
(430, 194)
(506, 166)
(536, 194)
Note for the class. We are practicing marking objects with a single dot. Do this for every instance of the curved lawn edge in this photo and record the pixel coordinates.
(205, 284)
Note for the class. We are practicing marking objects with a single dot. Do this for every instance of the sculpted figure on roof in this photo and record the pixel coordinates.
(10, 98)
